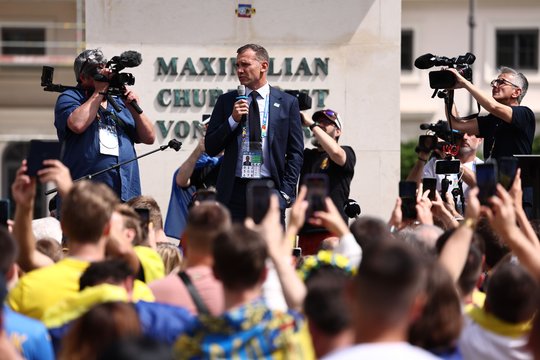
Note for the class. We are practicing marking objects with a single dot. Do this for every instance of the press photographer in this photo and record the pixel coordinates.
(98, 121)
(448, 156)
(509, 128)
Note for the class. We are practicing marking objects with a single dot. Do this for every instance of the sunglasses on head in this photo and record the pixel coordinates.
(330, 113)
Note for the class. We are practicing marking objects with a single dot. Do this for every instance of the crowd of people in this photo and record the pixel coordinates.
(105, 282)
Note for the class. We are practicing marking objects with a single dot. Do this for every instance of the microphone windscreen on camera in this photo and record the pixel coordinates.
(175, 144)
(130, 58)
(425, 126)
(425, 61)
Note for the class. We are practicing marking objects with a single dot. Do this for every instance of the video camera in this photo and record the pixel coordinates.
(436, 131)
(117, 81)
(304, 100)
(445, 79)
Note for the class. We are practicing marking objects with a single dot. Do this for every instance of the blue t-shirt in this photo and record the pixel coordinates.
(29, 336)
(81, 152)
(175, 222)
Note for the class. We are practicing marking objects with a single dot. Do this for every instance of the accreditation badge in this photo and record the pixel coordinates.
(251, 164)
(108, 139)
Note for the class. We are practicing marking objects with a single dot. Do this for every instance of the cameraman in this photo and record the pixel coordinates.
(93, 135)
(458, 183)
(327, 158)
(509, 128)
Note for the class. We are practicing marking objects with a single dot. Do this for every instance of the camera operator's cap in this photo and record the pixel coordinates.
(328, 114)
(87, 61)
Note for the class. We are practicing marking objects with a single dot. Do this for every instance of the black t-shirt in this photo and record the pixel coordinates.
(507, 139)
(339, 177)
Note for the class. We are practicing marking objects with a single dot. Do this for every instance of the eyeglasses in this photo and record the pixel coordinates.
(500, 82)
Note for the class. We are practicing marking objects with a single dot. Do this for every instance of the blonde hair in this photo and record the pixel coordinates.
(171, 255)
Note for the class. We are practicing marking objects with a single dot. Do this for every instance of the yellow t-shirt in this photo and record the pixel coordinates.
(70, 309)
(151, 263)
(42, 288)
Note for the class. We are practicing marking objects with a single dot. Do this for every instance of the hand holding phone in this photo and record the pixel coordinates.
(317, 191)
(258, 194)
(407, 193)
(431, 185)
(486, 179)
(507, 168)
(41, 150)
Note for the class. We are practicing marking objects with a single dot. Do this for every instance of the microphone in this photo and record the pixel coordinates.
(425, 61)
(174, 144)
(242, 95)
(425, 126)
(129, 58)
(241, 92)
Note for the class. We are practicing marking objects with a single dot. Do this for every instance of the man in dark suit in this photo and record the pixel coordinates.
(267, 129)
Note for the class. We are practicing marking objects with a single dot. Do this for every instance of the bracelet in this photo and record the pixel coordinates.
(419, 158)
(470, 223)
(313, 126)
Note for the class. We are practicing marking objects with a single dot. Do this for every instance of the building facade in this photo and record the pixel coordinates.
(345, 55)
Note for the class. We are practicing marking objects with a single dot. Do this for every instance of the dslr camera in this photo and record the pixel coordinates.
(445, 79)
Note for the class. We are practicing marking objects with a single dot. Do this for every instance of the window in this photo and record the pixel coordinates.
(406, 50)
(517, 48)
(23, 41)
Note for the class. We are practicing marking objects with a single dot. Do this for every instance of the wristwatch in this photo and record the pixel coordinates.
(287, 198)
(313, 125)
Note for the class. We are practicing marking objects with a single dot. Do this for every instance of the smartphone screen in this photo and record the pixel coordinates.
(431, 185)
(317, 191)
(486, 179)
(41, 150)
(507, 167)
(144, 214)
(4, 211)
(407, 193)
(447, 166)
(258, 198)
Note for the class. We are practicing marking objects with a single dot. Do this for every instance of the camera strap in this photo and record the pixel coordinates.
(202, 309)
(449, 102)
